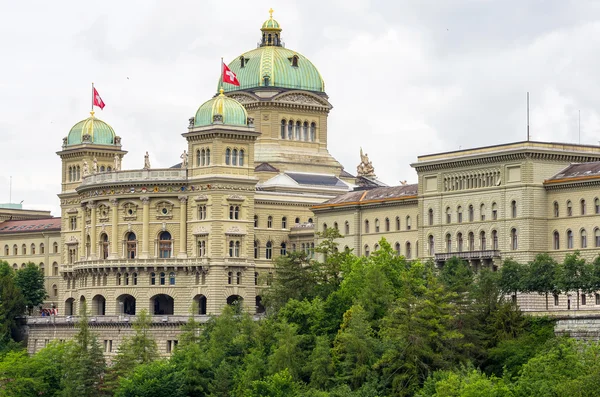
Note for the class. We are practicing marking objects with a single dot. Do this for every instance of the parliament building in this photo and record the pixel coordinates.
(256, 181)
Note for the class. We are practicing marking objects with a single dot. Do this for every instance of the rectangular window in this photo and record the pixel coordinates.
(73, 222)
(583, 299)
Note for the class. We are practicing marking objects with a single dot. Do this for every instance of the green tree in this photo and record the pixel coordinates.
(542, 276)
(85, 362)
(12, 304)
(30, 281)
(295, 279)
(286, 351)
(155, 379)
(573, 275)
(457, 275)
(320, 365)
(512, 276)
(280, 384)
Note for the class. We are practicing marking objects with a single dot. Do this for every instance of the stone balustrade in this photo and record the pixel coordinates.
(160, 174)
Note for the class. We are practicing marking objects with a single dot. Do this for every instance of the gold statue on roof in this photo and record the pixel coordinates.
(365, 168)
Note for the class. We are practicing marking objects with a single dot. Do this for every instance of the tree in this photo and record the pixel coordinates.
(542, 276)
(511, 277)
(573, 274)
(456, 275)
(286, 351)
(30, 281)
(155, 379)
(295, 279)
(320, 365)
(12, 304)
(85, 362)
(280, 384)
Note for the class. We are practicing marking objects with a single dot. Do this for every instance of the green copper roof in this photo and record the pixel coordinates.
(100, 132)
(271, 24)
(232, 111)
(276, 64)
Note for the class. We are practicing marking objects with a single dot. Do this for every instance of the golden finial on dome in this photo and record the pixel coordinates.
(271, 13)
(92, 113)
(221, 91)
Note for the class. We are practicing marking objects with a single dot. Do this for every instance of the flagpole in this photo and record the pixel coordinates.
(92, 98)
(222, 69)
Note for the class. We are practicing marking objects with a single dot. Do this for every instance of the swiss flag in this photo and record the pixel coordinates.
(97, 100)
(229, 76)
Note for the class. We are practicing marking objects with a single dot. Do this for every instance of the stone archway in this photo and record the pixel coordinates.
(69, 307)
(200, 301)
(98, 305)
(162, 304)
(126, 305)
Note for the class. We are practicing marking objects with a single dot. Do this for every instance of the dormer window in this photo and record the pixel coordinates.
(294, 61)
(243, 61)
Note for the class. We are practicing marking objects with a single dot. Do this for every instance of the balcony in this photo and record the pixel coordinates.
(140, 263)
(166, 174)
(468, 255)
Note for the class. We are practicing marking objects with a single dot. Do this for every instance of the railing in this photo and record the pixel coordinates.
(160, 174)
(116, 319)
(484, 254)
(152, 262)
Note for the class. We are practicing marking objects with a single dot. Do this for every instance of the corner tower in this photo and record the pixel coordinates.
(284, 92)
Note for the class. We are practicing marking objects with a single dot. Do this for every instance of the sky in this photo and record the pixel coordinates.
(405, 78)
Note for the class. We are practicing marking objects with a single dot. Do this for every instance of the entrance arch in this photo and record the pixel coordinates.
(69, 306)
(200, 301)
(98, 305)
(162, 304)
(235, 300)
(126, 305)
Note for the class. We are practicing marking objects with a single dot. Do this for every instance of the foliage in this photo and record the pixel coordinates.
(154, 379)
(542, 276)
(12, 304)
(30, 281)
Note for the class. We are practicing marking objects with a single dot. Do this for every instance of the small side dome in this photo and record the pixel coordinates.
(91, 130)
(221, 110)
(271, 24)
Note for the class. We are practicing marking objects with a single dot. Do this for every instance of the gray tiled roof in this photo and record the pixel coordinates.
(316, 180)
(578, 170)
(377, 194)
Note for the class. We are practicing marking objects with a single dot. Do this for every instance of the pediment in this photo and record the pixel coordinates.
(300, 98)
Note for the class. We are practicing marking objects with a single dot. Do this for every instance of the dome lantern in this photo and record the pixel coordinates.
(271, 32)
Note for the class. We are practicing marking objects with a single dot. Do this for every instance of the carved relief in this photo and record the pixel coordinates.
(235, 230)
(200, 231)
(201, 197)
(242, 98)
(103, 212)
(235, 197)
(130, 211)
(164, 210)
(300, 99)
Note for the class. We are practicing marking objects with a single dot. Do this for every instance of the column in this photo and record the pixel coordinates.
(93, 247)
(183, 228)
(145, 228)
(81, 252)
(114, 238)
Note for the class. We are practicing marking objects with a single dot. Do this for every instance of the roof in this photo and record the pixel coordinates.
(578, 171)
(316, 179)
(346, 174)
(37, 225)
(228, 110)
(380, 194)
(99, 132)
(178, 165)
(265, 167)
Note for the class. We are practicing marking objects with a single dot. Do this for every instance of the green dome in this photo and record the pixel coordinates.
(271, 24)
(232, 112)
(99, 132)
(275, 66)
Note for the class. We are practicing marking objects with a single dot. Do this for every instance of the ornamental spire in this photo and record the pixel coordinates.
(271, 32)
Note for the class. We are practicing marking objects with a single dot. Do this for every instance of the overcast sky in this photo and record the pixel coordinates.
(405, 77)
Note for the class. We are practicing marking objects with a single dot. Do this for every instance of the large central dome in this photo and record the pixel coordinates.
(272, 65)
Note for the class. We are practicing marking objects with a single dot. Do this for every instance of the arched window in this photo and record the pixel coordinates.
(397, 248)
(42, 268)
(203, 157)
(494, 240)
(162, 278)
(229, 277)
(118, 278)
(514, 240)
(459, 242)
(207, 156)
(283, 250)
(42, 249)
(583, 238)
(55, 269)
(269, 250)
(256, 249)
(430, 216)
(494, 211)
(198, 158)
(255, 220)
(367, 251)
(583, 207)
(597, 206)
(482, 241)
(297, 221)
(54, 291)
(408, 225)
(32, 249)
(291, 129)
(459, 215)
(126, 278)
(164, 245)
(556, 212)
(298, 131)
(387, 224)
(78, 175)
(283, 222)
(569, 239)
(313, 131)
(236, 251)
(556, 240)
(310, 221)
(513, 209)
(397, 223)
(202, 248)
(231, 249)
(407, 251)
(569, 208)
(102, 169)
(201, 212)
(295, 61)
(335, 226)
(471, 213)
(172, 278)
(131, 245)
(234, 157)
(482, 212)
(270, 222)
(597, 237)
(347, 228)
(376, 225)
(108, 168)
(448, 215)
(152, 278)
(104, 245)
(23, 249)
(241, 158)
(227, 156)
(366, 226)
(305, 131)
(448, 243)
(283, 125)
(238, 278)
(6, 250)
(471, 241)
(431, 245)
(234, 212)
(134, 279)
(324, 227)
